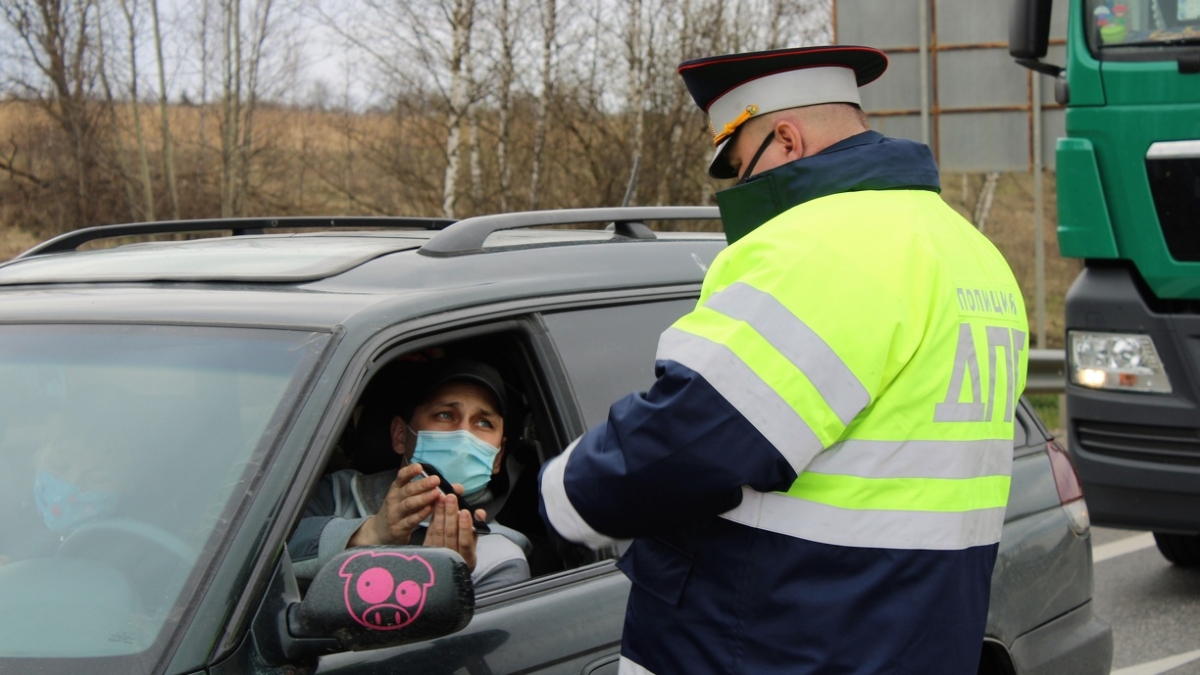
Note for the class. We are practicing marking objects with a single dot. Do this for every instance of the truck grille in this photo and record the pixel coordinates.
(1174, 175)
(1165, 445)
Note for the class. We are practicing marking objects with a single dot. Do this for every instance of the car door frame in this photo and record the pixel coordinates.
(375, 350)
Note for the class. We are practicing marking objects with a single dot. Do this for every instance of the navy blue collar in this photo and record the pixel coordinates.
(865, 161)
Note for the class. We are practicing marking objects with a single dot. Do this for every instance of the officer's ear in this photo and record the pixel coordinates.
(789, 134)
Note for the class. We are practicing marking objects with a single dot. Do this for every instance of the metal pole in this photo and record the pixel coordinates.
(1039, 239)
(923, 32)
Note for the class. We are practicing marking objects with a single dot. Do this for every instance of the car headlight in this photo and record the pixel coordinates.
(1122, 361)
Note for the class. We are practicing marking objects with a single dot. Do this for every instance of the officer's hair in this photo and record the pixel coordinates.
(825, 113)
(857, 112)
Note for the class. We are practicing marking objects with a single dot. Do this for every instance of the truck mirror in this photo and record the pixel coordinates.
(365, 598)
(1029, 29)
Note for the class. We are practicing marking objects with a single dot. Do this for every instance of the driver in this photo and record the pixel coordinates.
(455, 422)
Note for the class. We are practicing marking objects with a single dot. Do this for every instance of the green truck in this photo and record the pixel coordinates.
(1129, 207)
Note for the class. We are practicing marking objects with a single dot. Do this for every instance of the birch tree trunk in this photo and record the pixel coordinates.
(231, 112)
(688, 44)
(202, 122)
(260, 27)
(476, 166)
(130, 13)
(167, 147)
(110, 99)
(637, 88)
(549, 19)
(460, 23)
(505, 28)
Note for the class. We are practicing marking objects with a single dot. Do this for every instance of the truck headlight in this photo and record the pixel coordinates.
(1122, 361)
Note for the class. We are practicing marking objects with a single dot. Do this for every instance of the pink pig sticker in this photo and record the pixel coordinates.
(386, 594)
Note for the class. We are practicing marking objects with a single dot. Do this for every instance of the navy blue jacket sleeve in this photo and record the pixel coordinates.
(676, 455)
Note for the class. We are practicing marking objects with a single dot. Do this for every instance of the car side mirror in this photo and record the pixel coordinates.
(365, 598)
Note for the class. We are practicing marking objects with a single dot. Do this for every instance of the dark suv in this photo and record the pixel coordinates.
(168, 407)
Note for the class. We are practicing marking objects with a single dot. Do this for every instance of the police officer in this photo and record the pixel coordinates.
(816, 482)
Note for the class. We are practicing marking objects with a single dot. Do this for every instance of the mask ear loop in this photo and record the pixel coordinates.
(409, 433)
(761, 149)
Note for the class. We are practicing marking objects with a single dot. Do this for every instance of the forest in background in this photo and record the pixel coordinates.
(114, 111)
(122, 111)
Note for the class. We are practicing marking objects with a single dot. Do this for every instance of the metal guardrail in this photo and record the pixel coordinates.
(1047, 372)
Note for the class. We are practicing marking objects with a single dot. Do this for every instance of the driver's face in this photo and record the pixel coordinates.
(461, 405)
(454, 406)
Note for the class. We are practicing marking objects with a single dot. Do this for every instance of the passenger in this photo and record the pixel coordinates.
(78, 478)
(453, 420)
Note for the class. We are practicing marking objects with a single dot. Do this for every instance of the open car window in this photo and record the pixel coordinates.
(124, 449)
(365, 458)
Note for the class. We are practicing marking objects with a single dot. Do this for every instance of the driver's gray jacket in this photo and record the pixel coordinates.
(345, 499)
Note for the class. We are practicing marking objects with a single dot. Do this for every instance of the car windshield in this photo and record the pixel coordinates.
(1142, 29)
(125, 450)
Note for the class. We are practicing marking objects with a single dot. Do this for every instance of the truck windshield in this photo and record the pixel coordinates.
(1138, 30)
(125, 449)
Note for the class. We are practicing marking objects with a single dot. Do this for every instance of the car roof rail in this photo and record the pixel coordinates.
(468, 235)
(71, 241)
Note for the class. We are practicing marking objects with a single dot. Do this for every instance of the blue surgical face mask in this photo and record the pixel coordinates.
(65, 505)
(460, 456)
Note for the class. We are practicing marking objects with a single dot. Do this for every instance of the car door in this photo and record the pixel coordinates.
(569, 622)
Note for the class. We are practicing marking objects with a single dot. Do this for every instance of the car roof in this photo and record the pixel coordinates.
(322, 279)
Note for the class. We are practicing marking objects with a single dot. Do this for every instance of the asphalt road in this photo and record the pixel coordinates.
(1153, 606)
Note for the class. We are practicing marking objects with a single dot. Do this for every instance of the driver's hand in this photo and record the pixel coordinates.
(451, 528)
(407, 504)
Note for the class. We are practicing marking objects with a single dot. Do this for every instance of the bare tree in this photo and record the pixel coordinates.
(638, 84)
(243, 55)
(676, 116)
(506, 30)
(549, 11)
(231, 105)
(461, 17)
(130, 12)
(168, 149)
(56, 37)
(473, 142)
(697, 32)
(114, 116)
(203, 39)
(259, 31)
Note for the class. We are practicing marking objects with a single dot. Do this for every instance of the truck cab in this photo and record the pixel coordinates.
(1129, 207)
